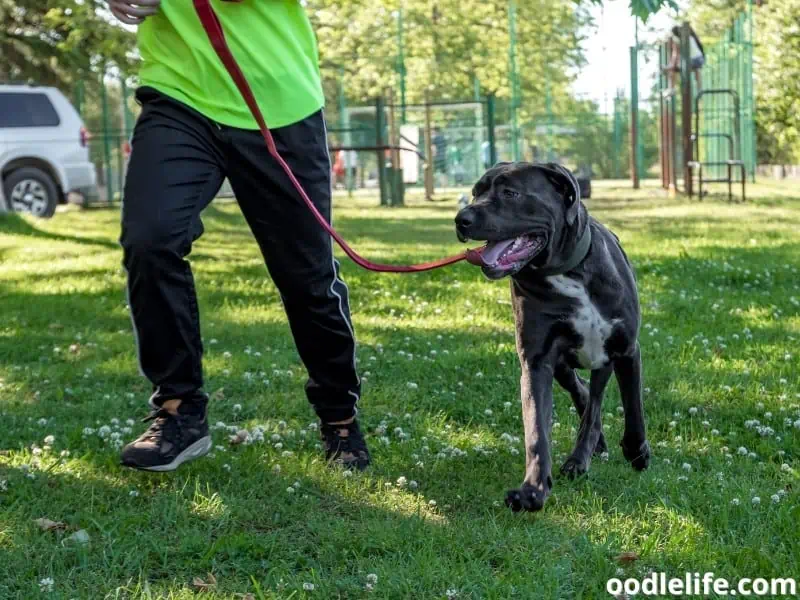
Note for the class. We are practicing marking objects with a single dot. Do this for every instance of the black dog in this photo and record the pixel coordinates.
(575, 306)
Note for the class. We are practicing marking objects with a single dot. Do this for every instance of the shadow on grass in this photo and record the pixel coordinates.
(14, 224)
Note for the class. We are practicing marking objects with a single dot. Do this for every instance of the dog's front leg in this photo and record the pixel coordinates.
(537, 414)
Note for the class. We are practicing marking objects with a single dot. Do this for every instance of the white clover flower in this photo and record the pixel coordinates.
(756, 500)
(742, 451)
(133, 493)
(46, 584)
(49, 440)
(506, 405)
(372, 578)
(402, 482)
(42, 422)
(411, 385)
(226, 466)
(693, 410)
(451, 594)
(432, 503)
(735, 502)
(290, 490)
(686, 467)
(413, 485)
(226, 354)
(775, 498)
(308, 587)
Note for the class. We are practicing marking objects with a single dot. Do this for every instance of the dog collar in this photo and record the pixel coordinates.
(577, 256)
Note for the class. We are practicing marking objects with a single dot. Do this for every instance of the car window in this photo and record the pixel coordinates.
(27, 109)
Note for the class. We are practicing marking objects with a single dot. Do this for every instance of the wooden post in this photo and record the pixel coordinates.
(686, 106)
(380, 154)
(634, 117)
(429, 188)
(394, 154)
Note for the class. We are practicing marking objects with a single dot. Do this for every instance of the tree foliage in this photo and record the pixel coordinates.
(54, 42)
(448, 46)
(778, 81)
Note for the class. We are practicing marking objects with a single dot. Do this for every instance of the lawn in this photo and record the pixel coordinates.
(720, 295)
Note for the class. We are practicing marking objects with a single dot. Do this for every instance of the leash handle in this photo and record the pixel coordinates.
(216, 36)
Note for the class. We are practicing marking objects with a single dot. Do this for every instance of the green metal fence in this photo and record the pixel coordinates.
(104, 102)
(729, 66)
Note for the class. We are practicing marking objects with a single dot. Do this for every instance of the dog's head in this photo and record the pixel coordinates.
(524, 211)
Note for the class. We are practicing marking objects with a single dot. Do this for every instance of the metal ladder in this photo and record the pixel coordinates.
(733, 162)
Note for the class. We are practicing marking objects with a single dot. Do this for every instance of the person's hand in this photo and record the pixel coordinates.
(133, 12)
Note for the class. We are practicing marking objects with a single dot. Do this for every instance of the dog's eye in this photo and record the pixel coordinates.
(510, 194)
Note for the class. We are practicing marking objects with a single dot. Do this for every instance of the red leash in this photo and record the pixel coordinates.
(213, 28)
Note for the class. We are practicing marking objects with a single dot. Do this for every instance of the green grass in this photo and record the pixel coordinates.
(720, 294)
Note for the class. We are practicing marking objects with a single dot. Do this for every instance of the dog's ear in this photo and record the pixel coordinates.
(566, 184)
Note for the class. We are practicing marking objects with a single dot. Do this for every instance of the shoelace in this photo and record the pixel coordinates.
(160, 417)
(353, 442)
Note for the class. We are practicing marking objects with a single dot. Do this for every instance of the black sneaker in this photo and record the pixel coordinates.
(170, 441)
(345, 445)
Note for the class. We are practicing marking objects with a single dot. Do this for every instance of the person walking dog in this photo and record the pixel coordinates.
(193, 132)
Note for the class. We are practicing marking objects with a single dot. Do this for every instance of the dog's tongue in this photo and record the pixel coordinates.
(492, 252)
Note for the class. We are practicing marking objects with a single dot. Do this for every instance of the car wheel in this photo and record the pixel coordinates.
(31, 190)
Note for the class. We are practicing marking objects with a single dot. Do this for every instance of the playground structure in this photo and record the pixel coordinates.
(707, 136)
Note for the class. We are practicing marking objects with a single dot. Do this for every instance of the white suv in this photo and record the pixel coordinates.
(44, 151)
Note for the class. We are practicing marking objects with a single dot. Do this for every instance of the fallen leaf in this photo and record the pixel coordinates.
(240, 438)
(219, 394)
(48, 525)
(79, 537)
(204, 586)
(245, 596)
(627, 557)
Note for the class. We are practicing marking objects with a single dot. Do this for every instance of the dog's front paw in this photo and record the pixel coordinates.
(574, 468)
(527, 498)
(637, 455)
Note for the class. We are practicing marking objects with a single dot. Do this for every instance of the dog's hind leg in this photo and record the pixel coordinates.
(591, 424)
(576, 387)
(537, 416)
(634, 440)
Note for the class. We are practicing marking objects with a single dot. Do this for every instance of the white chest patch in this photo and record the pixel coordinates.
(587, 321)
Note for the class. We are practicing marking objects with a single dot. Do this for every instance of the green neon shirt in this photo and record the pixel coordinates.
(273, 42)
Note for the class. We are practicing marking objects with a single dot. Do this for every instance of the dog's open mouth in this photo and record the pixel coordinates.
(507, 257)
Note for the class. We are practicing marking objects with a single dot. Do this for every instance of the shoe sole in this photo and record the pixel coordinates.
(200, 448)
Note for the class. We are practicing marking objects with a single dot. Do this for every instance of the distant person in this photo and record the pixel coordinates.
(439, 152)
(697, 56)
(486, 155)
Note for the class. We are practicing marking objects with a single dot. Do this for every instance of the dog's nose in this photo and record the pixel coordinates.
(465, 219)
